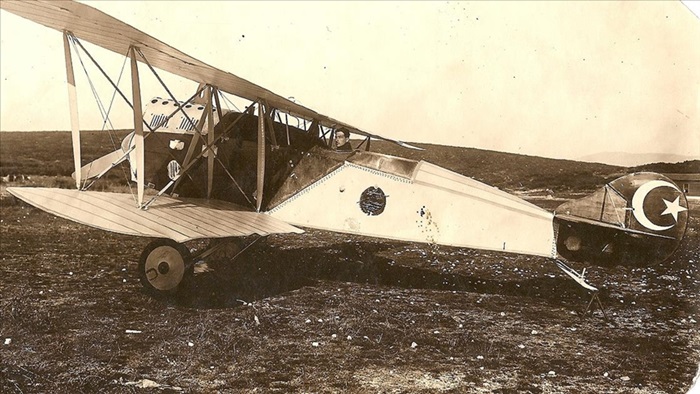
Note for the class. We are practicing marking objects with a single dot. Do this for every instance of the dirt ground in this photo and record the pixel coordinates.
(323, 313)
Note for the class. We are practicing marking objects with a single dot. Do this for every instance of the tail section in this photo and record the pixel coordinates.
(638, 219)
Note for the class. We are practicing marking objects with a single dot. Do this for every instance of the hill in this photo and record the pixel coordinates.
(50, 153)
(686, 167)
(633, 159)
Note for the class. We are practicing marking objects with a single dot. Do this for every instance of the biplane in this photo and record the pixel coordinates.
(204, 172)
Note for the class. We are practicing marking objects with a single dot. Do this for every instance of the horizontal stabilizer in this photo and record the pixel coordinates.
(576, 219)
(178, 219)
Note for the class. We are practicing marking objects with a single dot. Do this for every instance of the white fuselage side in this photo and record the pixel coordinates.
(434, 206)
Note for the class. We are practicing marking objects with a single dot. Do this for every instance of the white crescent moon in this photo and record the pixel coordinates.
(638, 204)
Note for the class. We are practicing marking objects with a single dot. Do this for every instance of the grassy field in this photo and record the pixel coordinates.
(329, 313)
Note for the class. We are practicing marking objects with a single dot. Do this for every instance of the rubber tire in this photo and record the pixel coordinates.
(170, 258)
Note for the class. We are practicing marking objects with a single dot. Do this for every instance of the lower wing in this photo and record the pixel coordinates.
(178, 219)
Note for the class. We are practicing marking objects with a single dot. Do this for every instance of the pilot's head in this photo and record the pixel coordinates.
(341, 136)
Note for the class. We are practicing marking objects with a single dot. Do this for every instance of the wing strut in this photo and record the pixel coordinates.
(116, 88)
(261, 156)
(271, 125)
(208, 115)
(190, 151)
(138, 126)
(190, 161)
(210, 140)
(73, 103)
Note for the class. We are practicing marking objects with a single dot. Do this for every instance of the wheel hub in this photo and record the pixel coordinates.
(164, 268)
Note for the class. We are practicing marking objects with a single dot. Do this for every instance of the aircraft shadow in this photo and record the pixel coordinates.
(269, 271)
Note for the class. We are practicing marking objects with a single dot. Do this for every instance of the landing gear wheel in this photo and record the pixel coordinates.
(164, 264)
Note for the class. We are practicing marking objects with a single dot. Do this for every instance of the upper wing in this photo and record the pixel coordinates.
(178, 219)
(95, 26)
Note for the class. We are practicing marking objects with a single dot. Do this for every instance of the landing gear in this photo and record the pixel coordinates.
(163, 266)
(166, 264)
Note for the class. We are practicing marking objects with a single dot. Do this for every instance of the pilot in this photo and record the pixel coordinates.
(342, 140)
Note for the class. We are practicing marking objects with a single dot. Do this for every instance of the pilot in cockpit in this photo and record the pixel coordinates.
(342, 140)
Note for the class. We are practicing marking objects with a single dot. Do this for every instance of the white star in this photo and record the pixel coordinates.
(673, 208)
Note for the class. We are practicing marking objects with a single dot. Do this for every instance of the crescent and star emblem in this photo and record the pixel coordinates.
(672, 208)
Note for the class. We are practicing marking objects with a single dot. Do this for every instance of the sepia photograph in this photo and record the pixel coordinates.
(349, 197)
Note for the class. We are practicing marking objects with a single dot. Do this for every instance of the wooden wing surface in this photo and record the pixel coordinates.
(178, 219)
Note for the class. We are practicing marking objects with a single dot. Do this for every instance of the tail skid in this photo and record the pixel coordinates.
(581, 280)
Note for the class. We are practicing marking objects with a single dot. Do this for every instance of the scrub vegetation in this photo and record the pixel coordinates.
(326, 313)
(50, 153)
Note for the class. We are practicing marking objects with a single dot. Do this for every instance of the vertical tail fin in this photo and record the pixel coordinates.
(637, 219)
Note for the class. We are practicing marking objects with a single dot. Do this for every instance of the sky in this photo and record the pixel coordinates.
(553, 79)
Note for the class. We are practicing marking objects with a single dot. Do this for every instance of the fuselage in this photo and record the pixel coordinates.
(309, 184)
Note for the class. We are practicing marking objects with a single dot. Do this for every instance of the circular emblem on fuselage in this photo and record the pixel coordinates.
(373, 201)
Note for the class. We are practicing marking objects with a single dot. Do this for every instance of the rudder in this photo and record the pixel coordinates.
(638, 219)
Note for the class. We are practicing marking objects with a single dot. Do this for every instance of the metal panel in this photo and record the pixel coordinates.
(178, 219)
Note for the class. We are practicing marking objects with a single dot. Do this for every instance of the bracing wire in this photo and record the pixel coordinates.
(103, 112)
(100, 106)
(114, 96)
(152, 131)
(227, 100)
